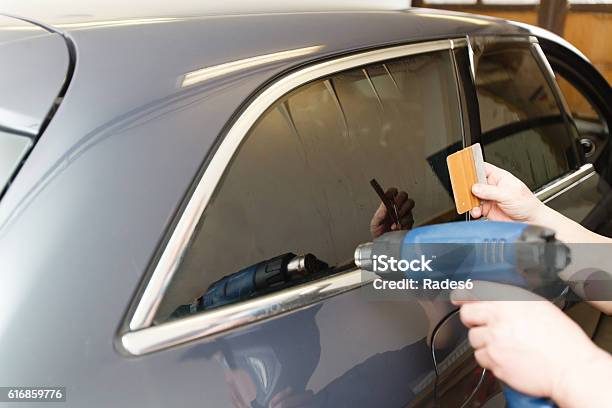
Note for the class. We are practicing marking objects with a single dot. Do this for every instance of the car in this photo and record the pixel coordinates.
(149, 157)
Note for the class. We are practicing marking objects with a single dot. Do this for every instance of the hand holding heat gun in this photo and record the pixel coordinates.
(523, 255)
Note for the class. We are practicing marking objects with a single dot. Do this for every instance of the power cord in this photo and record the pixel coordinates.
(435, 331)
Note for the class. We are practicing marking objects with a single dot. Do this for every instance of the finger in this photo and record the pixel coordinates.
(407, 221)
(492, 295)
(491, 169)
(488, 192)
(379, 215)
(494, 173)
(476, 212)
(475, 314)
(278, 398)
(406, 206)
(401, 198)
(479, 337)
(460, 297)
(297, 401)
(235, 396)
(486, 207)
(391, 193)
(484, 359)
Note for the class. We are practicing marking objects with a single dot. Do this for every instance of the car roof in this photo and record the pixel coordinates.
(131, 64)
(66, 15)
(100, 12)
(69, 11)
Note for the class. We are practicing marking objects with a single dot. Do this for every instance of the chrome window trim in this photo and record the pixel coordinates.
(212, 323)
(560, 185)
(143, 337)
(202, 325)
(217, 321)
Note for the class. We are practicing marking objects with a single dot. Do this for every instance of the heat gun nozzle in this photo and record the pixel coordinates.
(363, 256)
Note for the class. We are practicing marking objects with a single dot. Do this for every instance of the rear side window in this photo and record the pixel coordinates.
(300, 182)
(523, 128)
(13, 148)
(33, 73)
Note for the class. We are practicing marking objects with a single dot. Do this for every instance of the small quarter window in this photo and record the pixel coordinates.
(579, 105)
(13, 149)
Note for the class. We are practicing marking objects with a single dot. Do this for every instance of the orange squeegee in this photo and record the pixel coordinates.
(466, 168)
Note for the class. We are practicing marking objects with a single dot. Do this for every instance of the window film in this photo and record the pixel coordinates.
(591, 125)
(300, 182)
(579, 105)
(523, 128)
(13, 148)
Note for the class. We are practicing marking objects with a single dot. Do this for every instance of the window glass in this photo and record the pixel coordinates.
(12, 150)
(581, 108)
(591, 126)
(523, 129)
(300, 182)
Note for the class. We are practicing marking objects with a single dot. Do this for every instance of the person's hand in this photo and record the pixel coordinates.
(287, 398)
(242, 390)
(381, 221)
(529, 345)
(506, 198)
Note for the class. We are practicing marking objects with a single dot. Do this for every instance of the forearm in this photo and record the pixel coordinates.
(604, 306)
(586, 257)
(587, 384)
(566, 229)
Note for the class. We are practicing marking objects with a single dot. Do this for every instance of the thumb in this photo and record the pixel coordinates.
(379, 215)
(488, 192)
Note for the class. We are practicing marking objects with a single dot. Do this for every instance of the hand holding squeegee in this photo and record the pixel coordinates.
(466, 168)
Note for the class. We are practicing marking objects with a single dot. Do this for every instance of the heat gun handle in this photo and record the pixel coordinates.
(515, 399)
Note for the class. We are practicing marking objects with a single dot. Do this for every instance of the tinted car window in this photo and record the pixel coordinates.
(300, 181)
(579, 105)
(523, 129)
(12, 150)
(591, 125)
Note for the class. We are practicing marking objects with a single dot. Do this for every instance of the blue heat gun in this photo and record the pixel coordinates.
(255, 280)
(519, 254)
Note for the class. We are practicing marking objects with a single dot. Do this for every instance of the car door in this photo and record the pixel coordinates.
(589, 100)
(523, 128)
(528, 129)
(293, 176)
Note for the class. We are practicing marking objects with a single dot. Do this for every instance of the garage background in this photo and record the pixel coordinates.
(585, 24)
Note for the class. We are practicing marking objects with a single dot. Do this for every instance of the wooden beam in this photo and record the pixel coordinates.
(477, 7)
(551, 15)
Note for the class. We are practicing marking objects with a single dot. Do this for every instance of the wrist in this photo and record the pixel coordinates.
(566, 229)
(582, 383)
(540, 214)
